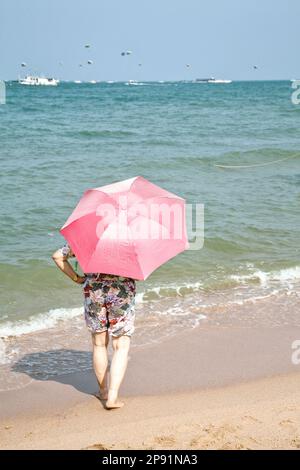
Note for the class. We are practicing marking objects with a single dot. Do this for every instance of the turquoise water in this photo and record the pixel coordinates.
(57, 142)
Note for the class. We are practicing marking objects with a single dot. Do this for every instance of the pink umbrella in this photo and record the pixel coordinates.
(128, 228)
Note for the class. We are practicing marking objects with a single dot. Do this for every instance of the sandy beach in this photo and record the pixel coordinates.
(207, 388)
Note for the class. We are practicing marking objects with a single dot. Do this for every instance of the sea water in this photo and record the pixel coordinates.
(234, 148)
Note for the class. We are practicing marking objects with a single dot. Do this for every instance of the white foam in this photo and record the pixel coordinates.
(42, 321)
(194, 286)
(3, 357)
(289, 274)
(139, 298)
(253, 299)
(50, 319)
(284, 276)
(156, 291)
(198, 319)
(165, 289)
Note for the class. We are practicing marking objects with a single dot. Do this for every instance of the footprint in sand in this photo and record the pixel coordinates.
(202, 443)
(288, 425)
(251, 439)
(291, 408)
(286, 408)
(147, 446)
(96, 447)
(214, 436)
(251, 419)
(221, 431)
(296, 443)
(165, 440)
(232, 446)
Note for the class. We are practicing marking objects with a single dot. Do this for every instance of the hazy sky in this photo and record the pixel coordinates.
(221, 38)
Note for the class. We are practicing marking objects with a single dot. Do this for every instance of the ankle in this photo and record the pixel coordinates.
(112, 395)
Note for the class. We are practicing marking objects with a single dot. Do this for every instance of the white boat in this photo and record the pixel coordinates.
(34, 80)
(211, 80)
(132, 82)
(77, 81)
(214, 80)
(93, 82)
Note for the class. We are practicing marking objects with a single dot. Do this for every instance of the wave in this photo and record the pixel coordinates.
(284, 276)
(135, 84)
(53, 317)
(47, 320)
(168, 291)
(42, 321)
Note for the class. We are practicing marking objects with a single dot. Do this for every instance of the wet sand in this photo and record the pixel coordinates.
(210, 387)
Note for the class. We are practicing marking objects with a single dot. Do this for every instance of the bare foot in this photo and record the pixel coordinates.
(114, 405)
(102, 394)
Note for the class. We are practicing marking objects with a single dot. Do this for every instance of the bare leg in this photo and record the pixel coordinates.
(100, 361)
(117, 370)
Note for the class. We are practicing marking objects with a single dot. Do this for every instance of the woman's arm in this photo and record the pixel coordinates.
(63, 264)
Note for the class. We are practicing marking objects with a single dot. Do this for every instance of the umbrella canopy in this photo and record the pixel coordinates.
(128, 228)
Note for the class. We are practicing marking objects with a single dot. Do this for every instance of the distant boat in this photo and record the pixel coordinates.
(93, 82)
(211, 80)
(77, 81)
(132, 82)
(38, 81)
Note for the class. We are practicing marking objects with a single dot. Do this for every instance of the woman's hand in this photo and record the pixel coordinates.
(80, 279)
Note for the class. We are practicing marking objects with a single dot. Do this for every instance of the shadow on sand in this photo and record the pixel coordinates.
(43, 366)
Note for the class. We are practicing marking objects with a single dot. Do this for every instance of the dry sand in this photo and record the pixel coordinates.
(211, 388)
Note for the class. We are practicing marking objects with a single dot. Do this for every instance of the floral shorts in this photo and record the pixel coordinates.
(109, 304)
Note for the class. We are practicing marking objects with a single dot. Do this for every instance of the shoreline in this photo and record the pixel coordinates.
(64, 348)
(167, 387)
(257, 415)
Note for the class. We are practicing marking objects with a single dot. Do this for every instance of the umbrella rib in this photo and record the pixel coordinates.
(90, 211)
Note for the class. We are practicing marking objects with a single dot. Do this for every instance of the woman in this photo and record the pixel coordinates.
(109, 309)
